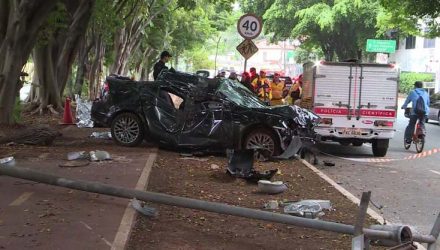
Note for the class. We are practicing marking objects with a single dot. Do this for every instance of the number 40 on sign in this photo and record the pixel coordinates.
(249, 26)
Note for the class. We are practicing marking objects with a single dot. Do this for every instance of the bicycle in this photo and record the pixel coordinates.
(418, 138)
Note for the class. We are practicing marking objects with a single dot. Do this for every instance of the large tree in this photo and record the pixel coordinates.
(338, 27)
(404, 16)
(20, 21)
(56, 51)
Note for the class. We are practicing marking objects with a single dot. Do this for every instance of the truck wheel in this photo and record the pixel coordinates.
(380, 147)
(127, 130)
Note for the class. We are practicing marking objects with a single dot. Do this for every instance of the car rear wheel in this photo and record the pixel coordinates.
(262, 139)
(127, 130)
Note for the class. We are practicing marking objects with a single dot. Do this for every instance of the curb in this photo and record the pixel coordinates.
(350, 196)
(129, 217)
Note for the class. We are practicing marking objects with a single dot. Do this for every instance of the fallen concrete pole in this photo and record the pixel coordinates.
(95, 187)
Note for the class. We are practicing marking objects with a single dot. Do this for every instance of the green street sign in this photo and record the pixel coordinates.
(381, 46)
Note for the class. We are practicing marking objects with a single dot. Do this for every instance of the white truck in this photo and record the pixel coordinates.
(357, 102)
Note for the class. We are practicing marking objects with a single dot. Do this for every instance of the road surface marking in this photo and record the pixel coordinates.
(373, 214)
(376, 160)
(435, 172)
(21, 199)
(100, 236)
(127, 221)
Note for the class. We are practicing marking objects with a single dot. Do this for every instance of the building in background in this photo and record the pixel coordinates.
(419, 54)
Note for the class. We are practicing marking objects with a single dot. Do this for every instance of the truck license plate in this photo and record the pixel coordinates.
(352, 131)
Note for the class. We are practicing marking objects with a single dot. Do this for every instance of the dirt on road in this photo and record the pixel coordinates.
(205, 178)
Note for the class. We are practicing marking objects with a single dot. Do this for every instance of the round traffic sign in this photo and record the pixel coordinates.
(249, 26)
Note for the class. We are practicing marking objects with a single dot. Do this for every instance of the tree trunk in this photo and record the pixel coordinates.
(54, 60)
(20, 22)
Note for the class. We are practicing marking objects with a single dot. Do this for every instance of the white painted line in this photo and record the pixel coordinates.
(435, 172)
(351, 197)
(21, 199)
(101, 237)
(128, 218)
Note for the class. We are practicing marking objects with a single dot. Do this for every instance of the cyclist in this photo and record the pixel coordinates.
(413, 96)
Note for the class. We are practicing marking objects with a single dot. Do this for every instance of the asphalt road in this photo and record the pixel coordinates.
(405, 183)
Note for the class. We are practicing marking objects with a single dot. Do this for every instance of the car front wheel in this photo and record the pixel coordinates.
(262, 139)
(127, 130)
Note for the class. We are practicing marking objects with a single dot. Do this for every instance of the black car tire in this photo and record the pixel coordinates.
(127, 130)
(380, 147)
(438, 118)
(262, 136)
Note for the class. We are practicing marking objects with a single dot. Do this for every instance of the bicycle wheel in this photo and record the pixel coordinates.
(420, 144)
(406, 145)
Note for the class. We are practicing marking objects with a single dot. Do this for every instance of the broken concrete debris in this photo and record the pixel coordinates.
(101, 135)
(307, 208)
(268, 187)
(97, 155)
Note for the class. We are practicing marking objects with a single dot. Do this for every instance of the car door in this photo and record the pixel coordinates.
(207, 124)
(165, 121)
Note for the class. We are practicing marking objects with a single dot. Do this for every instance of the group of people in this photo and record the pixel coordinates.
(272, 91)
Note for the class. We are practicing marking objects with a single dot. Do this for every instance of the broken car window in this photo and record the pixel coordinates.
(239, 94)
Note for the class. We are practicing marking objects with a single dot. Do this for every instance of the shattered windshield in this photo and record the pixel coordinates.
(239, 94)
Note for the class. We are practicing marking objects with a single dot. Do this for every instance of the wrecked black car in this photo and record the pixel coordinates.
(187, 111)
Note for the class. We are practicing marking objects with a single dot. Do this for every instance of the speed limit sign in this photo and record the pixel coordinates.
(249, 26)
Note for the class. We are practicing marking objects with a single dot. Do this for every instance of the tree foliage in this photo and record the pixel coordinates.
(338, 27)
(405, 16)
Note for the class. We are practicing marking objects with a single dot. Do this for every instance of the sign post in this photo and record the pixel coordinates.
(249, 26)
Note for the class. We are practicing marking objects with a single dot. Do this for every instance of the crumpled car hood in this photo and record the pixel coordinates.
(300, 116)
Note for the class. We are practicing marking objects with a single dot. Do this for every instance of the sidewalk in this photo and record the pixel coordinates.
(39, 216)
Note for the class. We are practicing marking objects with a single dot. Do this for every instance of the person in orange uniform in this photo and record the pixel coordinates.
(278, 86)
(262, 88)
(295, 91)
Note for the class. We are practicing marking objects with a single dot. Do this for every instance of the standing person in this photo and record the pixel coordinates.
(253, 73)
(295, 91)
(165, 57)
(246, 81)
(277, 86)
(262, 88)
(233, 76)
(417, 113)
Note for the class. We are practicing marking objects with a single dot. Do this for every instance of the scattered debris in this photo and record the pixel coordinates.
(99, 155)
(194, 158)
(329, 163)
(73, 164)
(268, 187)
(101, 135)
(145, 210)
(83, 113)
(8, 161)
(80, 155)
(305, 208)
(291, 150)
(241, 165)
(272, 204)
(325, 204)
(215, 166)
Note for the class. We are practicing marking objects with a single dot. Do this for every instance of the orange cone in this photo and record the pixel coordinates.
(67, 118)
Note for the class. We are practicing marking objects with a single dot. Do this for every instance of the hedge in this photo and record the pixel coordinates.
(407, 80)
